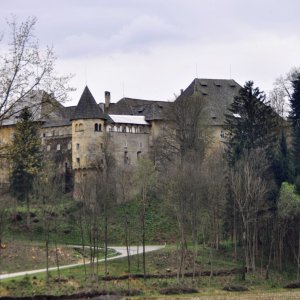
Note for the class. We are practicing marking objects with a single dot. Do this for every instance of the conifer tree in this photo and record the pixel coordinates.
(250, 124)
(281, 161)
(25, 158)
(295, 118)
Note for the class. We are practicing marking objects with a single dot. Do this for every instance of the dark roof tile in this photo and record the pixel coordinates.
(152, 110)
(87, 108)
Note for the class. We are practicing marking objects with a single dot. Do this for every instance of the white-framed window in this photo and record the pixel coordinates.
(58, 147)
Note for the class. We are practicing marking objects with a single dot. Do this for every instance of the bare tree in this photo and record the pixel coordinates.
(47, 193)
(26, 68)
(249, 188)
(5, 205)
(185, 133)
(282, 91)
(145, 178)
(213, 177)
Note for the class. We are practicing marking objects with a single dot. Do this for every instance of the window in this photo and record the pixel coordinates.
(101, 145)
(123, 128)
(138, 154)
(96, 127)
(69, 146)
(99, 127)
(141, 128)
(126, 158)
(80, 127)
(76, 127)
(222, 134)
(78, 160)
(77, 146)
(58, 147)
(44, 134)
(48, 148)
(130, 129)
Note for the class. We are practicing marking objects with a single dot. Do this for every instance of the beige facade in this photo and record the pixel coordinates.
(74, 137)
(87, 142)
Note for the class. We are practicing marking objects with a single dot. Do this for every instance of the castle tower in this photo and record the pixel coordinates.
(87, 135)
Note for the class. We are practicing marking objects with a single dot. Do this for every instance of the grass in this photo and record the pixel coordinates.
(22, 256)
(158, 262)
(160, 226)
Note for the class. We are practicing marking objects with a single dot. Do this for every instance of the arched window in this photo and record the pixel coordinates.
(99, 127)
(96, 127)
(80, 127)
(76, 127)
(123, 128)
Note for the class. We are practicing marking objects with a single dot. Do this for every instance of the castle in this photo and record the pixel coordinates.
(73, 136)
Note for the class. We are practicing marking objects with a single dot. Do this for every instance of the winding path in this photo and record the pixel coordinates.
(121, 250)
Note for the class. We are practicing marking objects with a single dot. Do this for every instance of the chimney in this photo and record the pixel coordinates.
(107, 100)
(181, 91)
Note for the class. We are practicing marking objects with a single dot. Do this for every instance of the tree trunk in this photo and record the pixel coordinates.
(27, 212)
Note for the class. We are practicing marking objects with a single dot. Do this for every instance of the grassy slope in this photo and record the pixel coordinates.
(160, 226)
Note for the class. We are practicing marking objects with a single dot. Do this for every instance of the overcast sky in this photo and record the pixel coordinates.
(150, 49)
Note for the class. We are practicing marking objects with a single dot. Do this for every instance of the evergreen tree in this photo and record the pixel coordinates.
(295, 118)
(250, 124)
(25, 157)
(251, 127)
(280, 164)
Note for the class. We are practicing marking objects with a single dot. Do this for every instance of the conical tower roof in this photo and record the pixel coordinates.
(87, 108)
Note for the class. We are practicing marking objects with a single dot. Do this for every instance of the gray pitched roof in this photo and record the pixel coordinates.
(218, 95)
(87, 108)
(151, 109)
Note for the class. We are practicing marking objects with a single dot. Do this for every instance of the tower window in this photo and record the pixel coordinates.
(138, 154)
(77, 146)
(126, 158)
(97, 127)
(78, 160)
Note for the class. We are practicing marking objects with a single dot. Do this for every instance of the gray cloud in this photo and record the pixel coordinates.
(154, 45)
